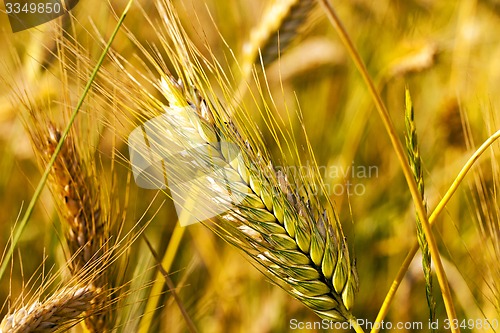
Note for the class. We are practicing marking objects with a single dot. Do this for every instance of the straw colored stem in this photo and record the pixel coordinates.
(170, 284)
(166, 264)
(354, 324)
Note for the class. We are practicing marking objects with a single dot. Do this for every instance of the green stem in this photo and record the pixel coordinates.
(398, 147)
(19, 230)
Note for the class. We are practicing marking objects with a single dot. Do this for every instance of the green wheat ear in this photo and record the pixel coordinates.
(279, 222)
(416, 167)
(297, 241)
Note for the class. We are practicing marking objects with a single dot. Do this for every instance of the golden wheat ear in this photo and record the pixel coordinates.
(276, 31)
(271, 215)
(59, 312)
(76, 194)
(222, 169)
(77, 197)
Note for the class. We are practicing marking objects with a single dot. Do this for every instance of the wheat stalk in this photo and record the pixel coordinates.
(398, 147)
(60, 311)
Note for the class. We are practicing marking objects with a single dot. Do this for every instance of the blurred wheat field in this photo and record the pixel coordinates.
(445, 52)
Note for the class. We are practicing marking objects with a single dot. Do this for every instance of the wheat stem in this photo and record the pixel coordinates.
(461, 175)
(171, 287)
(384, 308)
(166, 263)
(398, 147)
(354, 324)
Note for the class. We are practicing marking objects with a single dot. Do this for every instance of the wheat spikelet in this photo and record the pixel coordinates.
(57, 313)
(276, 30)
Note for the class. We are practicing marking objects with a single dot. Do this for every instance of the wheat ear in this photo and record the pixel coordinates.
(80, 208)
(416, 167)
(276, 31)
(77, 197)
(57, 313)
(272, 215)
